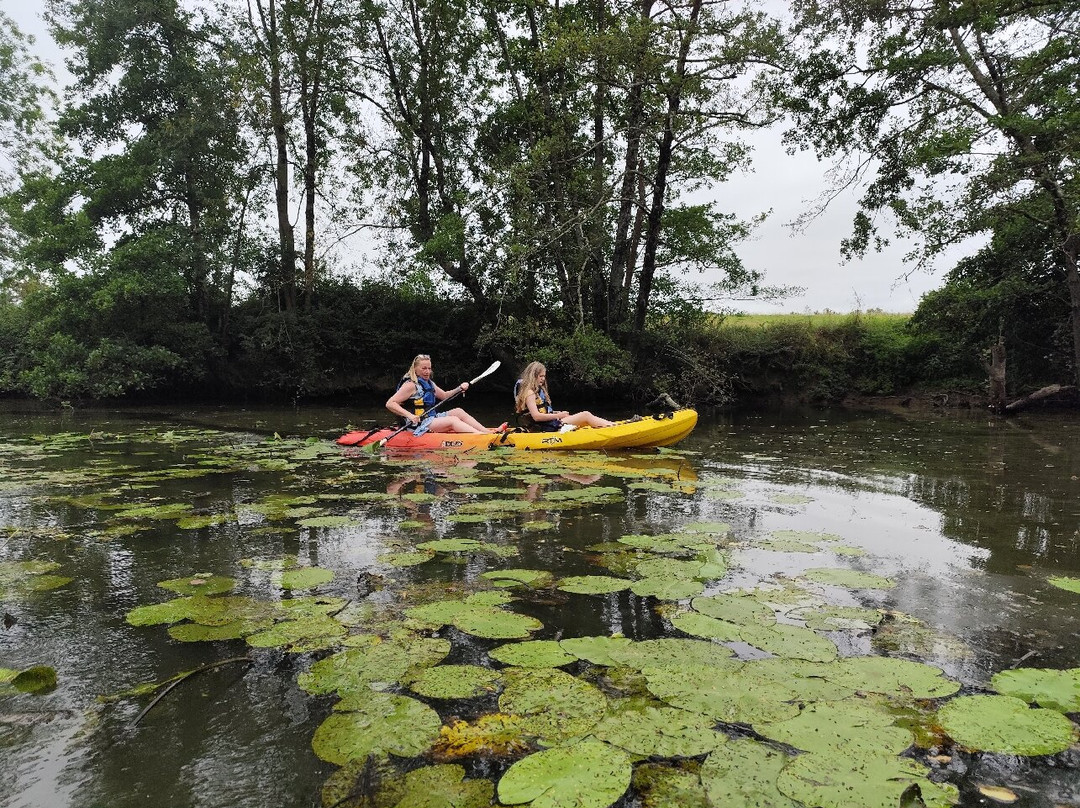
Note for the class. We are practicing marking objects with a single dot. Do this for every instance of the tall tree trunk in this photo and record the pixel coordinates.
(1070, 249)
(311, 101)
(286, 236)
(996, 369)
(663, 165)
(620, 254)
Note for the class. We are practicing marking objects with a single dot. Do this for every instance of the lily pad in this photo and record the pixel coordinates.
(202, 584)
(878, 781)
(893, 677)
(38, 679)
(1006, 725)
(533, 654)
(305, 577)
(738, 609)
(597, 650)
(669, 650)
(451, 546)
(407, 558)
(495, 735)
(723, 692)
(479, 620)
(842, 729)
(326, 521)
(852, 579)
(356, 669)
(744, 772)
(593, 584)
(380, 724)
(1054, 689)
(659, 732)
(442, 786)
(1066, 583)
(519, 577)
(553, 705)
(838, 618)
(455, 681)
(663, 786)
(667, 588)
(583, 775)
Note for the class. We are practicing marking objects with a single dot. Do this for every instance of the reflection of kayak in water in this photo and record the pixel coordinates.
(663, 429)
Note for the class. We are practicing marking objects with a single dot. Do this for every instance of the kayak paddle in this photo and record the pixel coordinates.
(374, 446)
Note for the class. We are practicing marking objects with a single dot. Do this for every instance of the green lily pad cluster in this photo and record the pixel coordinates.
(37, 679)
(22, 579)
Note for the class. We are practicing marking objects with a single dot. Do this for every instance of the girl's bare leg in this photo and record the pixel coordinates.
(586, 418)
(461, 415)
(451, 423)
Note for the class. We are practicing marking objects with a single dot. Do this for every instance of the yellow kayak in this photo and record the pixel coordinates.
(663, 429)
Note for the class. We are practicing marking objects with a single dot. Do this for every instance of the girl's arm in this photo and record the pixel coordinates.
(395, 402)
(534, 411)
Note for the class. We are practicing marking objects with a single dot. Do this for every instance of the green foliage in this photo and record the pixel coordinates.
(1008, 289)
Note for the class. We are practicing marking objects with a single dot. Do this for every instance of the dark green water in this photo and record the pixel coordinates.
(970, 517)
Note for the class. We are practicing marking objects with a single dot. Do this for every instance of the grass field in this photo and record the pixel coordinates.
(817, 319)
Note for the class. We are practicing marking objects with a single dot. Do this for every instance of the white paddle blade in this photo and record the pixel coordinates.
(491, 369)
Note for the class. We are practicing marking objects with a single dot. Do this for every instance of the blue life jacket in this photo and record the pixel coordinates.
(544, 405)
(424, 397)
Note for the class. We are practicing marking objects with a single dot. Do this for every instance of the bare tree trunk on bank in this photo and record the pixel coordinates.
(996, 369)
(286, 239)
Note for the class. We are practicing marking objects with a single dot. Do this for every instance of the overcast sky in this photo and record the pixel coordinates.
(785, 184)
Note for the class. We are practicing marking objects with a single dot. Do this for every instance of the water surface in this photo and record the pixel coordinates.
(970, 518)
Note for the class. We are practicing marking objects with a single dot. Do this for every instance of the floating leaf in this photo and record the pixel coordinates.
(845, 729)
(553, 705)
(852, 579)
(790, 499)
(723, 692)
(496, 734)
(305, 577)
(894, 677)
(1068, 584)
(451, 546)
(200, 585)
(738, 609)
(659, 732)
(662, 786)
(593, 584)
(828, 781)
(307, 634)
(640, 655)
(667, 588)
(407, 559)
(533, 654)
(477, 619)
(455, 682)
(519, 577)
(327, 521)
(442, 786)
(838, 618)
(597, 650)
(38, 679)
(379, 724)
(1054, 689)
(356, 669)
(584, 775)
(171, 611)
(744, 772)
(1006, 725)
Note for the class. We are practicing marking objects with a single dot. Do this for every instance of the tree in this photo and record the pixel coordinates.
(962, 114)
(24, 136)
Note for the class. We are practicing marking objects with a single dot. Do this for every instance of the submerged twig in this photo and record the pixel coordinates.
(184, 677)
